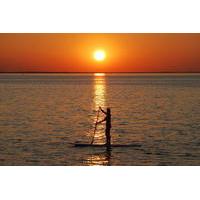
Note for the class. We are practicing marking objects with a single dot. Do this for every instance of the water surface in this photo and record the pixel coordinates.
(41, 115)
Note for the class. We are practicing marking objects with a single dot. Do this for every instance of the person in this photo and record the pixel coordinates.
(108, 124)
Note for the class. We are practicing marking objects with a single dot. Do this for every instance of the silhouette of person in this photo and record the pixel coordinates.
(108, 124)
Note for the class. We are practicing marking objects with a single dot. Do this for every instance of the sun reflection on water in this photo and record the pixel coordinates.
(102, 158)
(99, 90)
(99, 74)
(99, 100)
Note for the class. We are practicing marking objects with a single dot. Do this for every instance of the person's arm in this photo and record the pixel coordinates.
(101, 121)
(102, 110)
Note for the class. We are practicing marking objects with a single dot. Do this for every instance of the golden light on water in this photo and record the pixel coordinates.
(99, 74)
(103, 158)
(99, 99)
(99, 90)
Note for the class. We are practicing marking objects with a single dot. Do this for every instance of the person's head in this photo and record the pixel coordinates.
(108, 111)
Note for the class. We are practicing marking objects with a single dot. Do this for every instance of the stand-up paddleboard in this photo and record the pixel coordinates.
(104, 145)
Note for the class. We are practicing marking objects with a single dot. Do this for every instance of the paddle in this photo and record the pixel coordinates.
(95, 127)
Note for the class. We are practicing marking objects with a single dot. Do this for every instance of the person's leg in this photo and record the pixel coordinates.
(108, 137)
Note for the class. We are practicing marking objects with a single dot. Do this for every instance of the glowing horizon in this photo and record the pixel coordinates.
(110, 52)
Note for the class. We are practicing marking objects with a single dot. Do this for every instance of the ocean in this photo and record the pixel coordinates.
(42, 115)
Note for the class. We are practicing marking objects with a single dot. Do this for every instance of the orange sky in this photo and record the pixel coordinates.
(125, 52)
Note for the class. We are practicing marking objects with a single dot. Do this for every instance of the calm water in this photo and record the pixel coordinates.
(41, 115)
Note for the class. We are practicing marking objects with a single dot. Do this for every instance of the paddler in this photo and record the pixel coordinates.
(108, 124)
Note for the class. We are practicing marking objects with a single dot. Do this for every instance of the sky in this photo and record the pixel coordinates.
(47, 52)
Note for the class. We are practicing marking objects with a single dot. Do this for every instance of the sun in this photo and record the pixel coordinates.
(99, 55)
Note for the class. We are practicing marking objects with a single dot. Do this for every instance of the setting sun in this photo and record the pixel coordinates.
(99, 55)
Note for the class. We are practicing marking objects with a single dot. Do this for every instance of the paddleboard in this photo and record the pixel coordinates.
(104, 145)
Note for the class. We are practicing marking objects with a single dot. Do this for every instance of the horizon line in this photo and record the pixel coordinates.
(96, 72)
